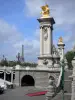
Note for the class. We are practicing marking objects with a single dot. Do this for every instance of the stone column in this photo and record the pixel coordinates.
(4, 73)
(12, 76)
(50, 89)
(41, 42)
(61, 48)
(46, 41)
(73, 80)
(50, 40)
(17, 75)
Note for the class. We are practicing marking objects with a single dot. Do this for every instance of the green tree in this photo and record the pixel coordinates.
(12, 63)
(69, 56)
(4, 62)
(28, 64)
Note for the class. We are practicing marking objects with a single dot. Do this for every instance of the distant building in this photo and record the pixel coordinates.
(22, 56)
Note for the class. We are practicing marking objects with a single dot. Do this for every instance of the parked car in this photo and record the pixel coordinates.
(1, 89)
(3, 86)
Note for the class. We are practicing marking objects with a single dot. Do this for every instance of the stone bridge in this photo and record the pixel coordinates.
(31, 76)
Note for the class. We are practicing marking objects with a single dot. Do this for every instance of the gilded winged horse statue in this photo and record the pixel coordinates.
(45, 11)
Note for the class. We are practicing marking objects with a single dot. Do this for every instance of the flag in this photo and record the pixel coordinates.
(62, 77)
(60, 84)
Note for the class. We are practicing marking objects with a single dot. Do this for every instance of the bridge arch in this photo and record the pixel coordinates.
(27, 80)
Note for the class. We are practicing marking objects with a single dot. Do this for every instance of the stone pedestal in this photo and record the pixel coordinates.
(45, 61)
(73, 90)
(50, 89)
(73, 80)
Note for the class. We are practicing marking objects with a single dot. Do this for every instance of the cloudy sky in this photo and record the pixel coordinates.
(19, 25)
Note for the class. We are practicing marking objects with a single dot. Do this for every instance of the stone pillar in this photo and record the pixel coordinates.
(61, 48)
(12, 76)
(73, 80)
(4, 73)
(66, 63)
(50, 89)
(17, 75)
(46, 27)
(41, 42)
(46, 41)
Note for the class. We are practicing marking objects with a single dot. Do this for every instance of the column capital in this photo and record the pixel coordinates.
(61, 44)
(48, 26)
(50, 20)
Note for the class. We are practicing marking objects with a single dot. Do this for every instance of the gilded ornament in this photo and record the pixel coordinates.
(45, 11)
(60, 39)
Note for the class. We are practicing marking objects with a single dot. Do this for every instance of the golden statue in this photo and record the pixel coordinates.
(60, 40)
(45, 11)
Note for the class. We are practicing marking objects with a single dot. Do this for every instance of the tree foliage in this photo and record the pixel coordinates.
(14, 63)
(69, 56)
(4, 62)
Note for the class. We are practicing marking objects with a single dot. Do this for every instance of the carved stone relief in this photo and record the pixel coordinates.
(45, 62)
(45, 32)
